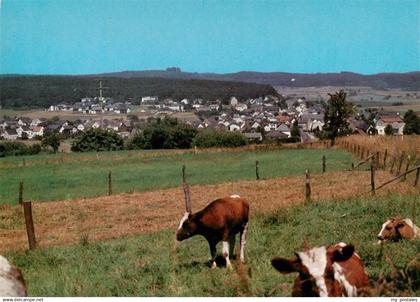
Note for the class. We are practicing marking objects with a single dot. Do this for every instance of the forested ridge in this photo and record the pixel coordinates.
(43, 91)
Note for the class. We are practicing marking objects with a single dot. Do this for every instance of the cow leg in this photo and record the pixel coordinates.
(232, 246)
(212, 246)
(243, 241)
(226, 254)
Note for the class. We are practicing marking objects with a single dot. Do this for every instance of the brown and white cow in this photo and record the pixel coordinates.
(12, 283)
(397, 228)
(221, 220)
(332, 271)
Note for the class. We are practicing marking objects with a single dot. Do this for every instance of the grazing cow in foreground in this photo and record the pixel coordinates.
(221, 220)
(396, 229)
(332, 271)
(12, 283)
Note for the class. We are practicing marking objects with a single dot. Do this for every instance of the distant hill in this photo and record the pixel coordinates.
(409, 81)
(43, 91)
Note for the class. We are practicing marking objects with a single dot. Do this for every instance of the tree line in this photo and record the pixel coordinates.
(44, 91)
(167, 133)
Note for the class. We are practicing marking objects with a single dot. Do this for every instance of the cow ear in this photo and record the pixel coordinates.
(343, 254)
(401, 224)
(285, 266)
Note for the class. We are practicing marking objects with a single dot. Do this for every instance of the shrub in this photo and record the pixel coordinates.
(135, 142)
(98, 140)
(412, 123)
(34, 149)
(52, 141)
(17, 148)
(167, 133)
(295, 132)
(219, 138)
(388, 130)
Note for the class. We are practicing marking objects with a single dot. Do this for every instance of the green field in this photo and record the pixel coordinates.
(157, 265)
(68, 176)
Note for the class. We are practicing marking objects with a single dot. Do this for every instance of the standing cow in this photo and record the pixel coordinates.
(221, 220)
(332, 271)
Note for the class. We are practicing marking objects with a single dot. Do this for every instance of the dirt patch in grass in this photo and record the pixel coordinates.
(70, 221)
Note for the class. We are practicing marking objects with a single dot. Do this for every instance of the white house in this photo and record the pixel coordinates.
(234, 127)
(241, 107)
(10, 134)
(397, 127)
(284, 129)
(37, 131)
(23, 129)
(256, 125)
(233, 101)
(175, 107)
(35, 122)
(214, 107)
(149, 99)
(315, 124)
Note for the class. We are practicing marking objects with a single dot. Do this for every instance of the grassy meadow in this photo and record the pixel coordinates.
(157, 265)
(69, 176)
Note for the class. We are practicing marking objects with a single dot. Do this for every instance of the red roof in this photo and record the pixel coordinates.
(391, 119)
(283, 118)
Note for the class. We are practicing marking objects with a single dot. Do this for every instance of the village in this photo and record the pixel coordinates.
(264, 118)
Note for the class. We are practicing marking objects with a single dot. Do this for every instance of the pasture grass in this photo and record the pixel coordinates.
(58, 177)
(157, 265)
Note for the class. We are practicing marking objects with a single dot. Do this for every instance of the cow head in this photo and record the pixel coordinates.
(187, 227)
(396, 229)
(315, 269)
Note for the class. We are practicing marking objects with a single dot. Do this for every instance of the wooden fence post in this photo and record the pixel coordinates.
(20, 192)
(377, 160)
(417, 177)
(109, 183)
(392, 164)
(323, 163)
(257, 170)
(401, 162)
(186, 190)
(358, 151)
(372, 178)
(307, 186)
(352, 166)
(385, 155)
(30, 230)
(406, 168)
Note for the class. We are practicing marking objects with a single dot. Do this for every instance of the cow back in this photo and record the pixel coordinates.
(225, 213)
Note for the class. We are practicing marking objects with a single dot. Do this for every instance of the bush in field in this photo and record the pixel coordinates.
(167, 133)
(16, 148)
(135, 142)
(337, 111)
(388, 130)
(34, 149)
(52, 141)
(412, 123)
(295, 132)
(98, 140)
(219, 138)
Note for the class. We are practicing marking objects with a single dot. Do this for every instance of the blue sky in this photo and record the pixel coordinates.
(91, 36)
